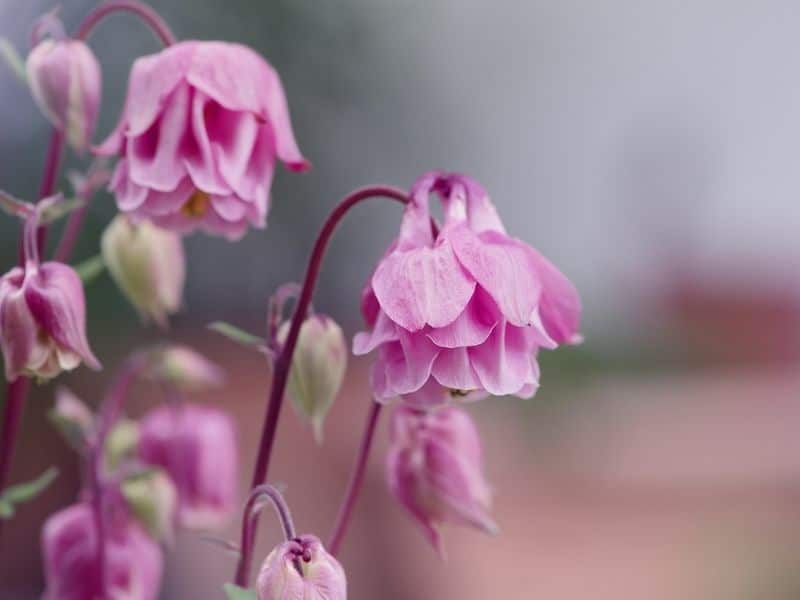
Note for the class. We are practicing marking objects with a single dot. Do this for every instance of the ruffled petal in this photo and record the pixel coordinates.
(129, 196)
(408, 362)
(200, 159)
(383, 332)
(503, 362)
(472, 326)
(422, 286)
(18, 330)
(453, 370)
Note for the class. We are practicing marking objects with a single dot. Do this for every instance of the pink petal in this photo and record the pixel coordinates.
(502, 268)
(422, 286)
(18, 329)
(503, 362)
(129, 195)
(472, 326)
(383, 332)
(408, 362)
(453, 370)
(201, 161)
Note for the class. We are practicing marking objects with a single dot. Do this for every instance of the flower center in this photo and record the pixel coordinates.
(196, 206)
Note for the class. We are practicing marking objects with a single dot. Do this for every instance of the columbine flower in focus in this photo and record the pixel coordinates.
(301, 568)
(148, 264)
(318, 367)
(201, 130)
(434, 469)
(197, 446)
(69, 549)
(42, 317)
(65, 81)
(465, 310)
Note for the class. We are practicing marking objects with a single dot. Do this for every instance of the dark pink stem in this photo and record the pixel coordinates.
(143, 11)
(251, 511)
(356, 480)
(16, 393)
(284, 359)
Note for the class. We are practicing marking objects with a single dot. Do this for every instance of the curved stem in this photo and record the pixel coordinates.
(143, 11)
(251, 512)
(284, 360)
(98, 512)
(356, 480)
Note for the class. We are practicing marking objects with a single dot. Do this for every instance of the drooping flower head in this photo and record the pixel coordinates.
(301, 569)
(464, 309)
(65, 81)
(434, 469)
(196, 445)
(201, 130)
(134, 562)
(42, 317)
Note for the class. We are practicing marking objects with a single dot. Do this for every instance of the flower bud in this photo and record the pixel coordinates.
(69, 549)
(196, 445)
(184, 369)
(318, 367)
(43, 321)
(72, 418)
(65, 81)
(121, 442)
(148, 264)
(434, 470)
(153, 500)
(301, 568)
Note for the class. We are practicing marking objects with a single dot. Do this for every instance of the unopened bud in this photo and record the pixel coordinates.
(184, 369)
(318, 367)
(148, 264)
(121, 442)
(65, 81)
(301, 568)
(72, 418)
(153, 500)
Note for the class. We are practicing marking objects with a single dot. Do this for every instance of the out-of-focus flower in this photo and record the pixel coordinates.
(467, 308)
(196, 445)
(434, 469)
(184, 369)
(153, 500)
(43, 321)
(72, 418)
(201, 130)
(69, 549)
(318, 367)
(65, 81)
(301, 569)
(148, 264)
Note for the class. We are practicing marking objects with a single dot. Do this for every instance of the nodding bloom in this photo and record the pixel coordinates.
(301, 569)
(201, 130)
(197, 446)
(318, 367)
(42, 317)
(148, 264)
(65, 81)
(133, 565)
(464, 309)
(434, 469)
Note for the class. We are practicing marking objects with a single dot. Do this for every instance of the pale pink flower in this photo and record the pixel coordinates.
(301, 569)
(133, 563)
(43, 321)
(201, 130)
(65, 81)
(465, 309)
(197, 446)
(434, 469)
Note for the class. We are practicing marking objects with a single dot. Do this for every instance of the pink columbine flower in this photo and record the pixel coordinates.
(463, 309)
(301, 569)
(201, 130)
(134, 561)
(65, 81)
(197, 447)
(42, 317)
(434, 469)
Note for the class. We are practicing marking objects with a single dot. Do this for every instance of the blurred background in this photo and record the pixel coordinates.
(650, 149)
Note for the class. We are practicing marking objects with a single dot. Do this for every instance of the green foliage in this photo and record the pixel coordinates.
(24, 492)
(90, 269)
(237, 335)
(234, 592)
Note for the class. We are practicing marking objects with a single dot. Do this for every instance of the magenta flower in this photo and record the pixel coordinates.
(464, 309)
(301, 569)
(69, 550)
(201, 130)
(64, 78)
(434, 469)
(43, 321)
(197, 447)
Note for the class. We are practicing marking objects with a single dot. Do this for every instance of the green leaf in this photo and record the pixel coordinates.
(237, 335)
(6, 509)
(28, 491)
(14, 206)
(13, 59)
(60, 208)
(234, 592)
(90, 269)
